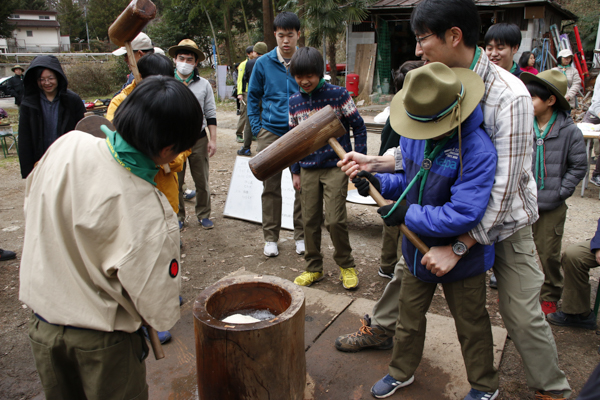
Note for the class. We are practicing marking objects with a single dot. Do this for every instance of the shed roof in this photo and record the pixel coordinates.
(383, 5)
(35, 12)
(32, 23)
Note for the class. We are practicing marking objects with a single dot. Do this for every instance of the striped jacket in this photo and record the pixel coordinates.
(303, 105)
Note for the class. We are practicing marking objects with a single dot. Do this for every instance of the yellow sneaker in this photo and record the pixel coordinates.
(308, 278)
(349, 278)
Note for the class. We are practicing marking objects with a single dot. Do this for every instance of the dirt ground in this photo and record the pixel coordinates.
(209, 255)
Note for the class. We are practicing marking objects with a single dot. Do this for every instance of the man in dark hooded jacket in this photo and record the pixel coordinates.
(48, 110)
(15, 84)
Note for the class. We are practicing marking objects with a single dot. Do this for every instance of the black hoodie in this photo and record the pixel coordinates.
(31, 122)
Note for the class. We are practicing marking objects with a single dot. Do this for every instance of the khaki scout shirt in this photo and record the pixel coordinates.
(101, 248)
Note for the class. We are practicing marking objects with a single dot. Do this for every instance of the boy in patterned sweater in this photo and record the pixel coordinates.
(317, 177)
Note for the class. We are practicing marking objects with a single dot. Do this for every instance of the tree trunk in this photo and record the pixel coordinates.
(245, 22)
(227, 26)
(332, 62)
(269, 38)
(302, 40)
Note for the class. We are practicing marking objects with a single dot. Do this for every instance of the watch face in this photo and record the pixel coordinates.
(459, 248)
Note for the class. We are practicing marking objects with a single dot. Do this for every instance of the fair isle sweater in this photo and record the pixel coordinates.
(303, 105)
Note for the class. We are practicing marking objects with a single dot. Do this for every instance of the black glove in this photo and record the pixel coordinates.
(397, 216)
(363, 184)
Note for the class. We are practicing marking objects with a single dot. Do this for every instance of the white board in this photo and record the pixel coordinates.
(244, 196)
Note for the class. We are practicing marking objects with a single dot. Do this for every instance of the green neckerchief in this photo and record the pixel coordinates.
(563, 68)
(540, 162)
(475, 58)
(187, 80)
(428, 159)
(513, 68)
(129, 157)
(319, 86)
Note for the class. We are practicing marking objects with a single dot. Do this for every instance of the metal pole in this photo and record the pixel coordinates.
(87, 32)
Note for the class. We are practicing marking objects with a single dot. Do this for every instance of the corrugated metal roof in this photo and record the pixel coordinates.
(409, 4)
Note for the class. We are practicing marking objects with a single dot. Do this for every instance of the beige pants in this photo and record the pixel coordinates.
(577, 261)
(325, 188)
(271, 199)
(199, 168)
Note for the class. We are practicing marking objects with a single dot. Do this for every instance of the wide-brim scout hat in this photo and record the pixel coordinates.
(555, 81)
(141, 42)
(187, 45)
(17, 67)
(434, 100)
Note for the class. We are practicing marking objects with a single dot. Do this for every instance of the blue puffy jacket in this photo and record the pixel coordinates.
(451, 205)
(272, 84)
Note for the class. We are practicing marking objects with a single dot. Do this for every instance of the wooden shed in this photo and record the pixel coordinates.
(388, 26)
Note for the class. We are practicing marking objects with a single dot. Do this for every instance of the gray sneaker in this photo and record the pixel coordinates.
(368, 336)
(595, 180)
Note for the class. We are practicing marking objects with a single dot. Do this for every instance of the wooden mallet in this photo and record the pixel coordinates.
(321, 128)
(128, 25)
(125, 28)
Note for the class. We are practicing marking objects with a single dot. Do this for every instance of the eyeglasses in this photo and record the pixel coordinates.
(48, 80)
(420, 39)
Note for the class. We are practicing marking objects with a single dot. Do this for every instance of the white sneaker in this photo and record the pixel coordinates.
(300, 247)
(271, 249)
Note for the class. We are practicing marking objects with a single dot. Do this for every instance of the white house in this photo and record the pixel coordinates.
(35, 31)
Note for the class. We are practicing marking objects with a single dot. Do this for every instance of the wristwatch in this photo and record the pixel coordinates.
(459, 248)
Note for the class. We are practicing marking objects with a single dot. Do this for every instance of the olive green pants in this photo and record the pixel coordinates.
(325, 188)
(547, 235)
(577, 261)
(272, 200)
(466, 301)
(391, 248)
(76, 364)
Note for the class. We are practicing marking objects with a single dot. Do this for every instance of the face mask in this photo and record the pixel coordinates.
(184, 68)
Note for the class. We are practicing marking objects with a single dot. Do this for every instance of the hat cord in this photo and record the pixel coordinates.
(441, 114)
(428, 158)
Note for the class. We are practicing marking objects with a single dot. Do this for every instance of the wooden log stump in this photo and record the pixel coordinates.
(262, 360)
(307, 137)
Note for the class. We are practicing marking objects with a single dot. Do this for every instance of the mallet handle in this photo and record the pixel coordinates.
(133, 63)
(414, 239)
(155, 343)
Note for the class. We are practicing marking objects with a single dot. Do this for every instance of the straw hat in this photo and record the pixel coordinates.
(17, 67)
(555, 81)
(141, 42)
(187, 45)
(430, 102)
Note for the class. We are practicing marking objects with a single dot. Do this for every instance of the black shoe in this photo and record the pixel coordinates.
(385, 274)
(595, 180)
(244, 152)
(6, 255)
(573, 320)
(493, 281)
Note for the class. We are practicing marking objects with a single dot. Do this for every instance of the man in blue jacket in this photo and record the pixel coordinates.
(272, 84)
